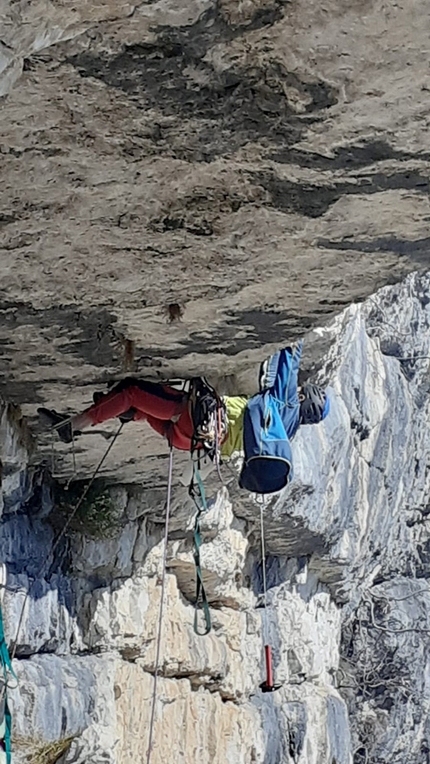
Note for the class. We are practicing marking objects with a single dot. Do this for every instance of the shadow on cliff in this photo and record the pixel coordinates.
(220, 111)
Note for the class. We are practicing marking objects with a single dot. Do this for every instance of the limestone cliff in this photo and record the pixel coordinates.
(348, 615)
(186, 187)
(260, 164)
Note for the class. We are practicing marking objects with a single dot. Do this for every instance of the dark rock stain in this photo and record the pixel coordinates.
(224, 110)
(7, 218)
(197, 213)
(262, 327)
(20, 209)
(43, 151)
(418, 249)
(313, 201)
(21, 392)
(88, 334)
(351, 157)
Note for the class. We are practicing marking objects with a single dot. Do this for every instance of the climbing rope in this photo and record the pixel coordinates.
(160, 614)
(268, 685)
(61, 535)
(199, 498)
(73, 460)
(7, 669)
(263, 552)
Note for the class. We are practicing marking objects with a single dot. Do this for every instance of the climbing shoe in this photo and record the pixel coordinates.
(53, 419)
(127, 416)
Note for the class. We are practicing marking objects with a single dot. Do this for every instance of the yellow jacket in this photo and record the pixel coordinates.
(235, 405)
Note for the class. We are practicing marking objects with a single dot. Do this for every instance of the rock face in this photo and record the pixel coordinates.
(185, 189)
(348, 612)
(260, 165)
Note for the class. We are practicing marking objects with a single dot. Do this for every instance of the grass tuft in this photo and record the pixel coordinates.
(42, 753)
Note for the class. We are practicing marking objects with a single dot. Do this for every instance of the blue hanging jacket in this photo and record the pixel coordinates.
(271, 418)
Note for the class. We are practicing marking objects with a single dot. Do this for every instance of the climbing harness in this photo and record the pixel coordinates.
(160, 615)
(268, 685)
(197, 493)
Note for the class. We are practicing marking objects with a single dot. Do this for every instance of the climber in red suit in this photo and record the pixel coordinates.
(165, 409)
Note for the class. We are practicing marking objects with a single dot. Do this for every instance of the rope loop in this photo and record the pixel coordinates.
(198, 495)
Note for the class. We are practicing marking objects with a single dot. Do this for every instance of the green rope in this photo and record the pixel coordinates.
(7, 667)
(199, 498)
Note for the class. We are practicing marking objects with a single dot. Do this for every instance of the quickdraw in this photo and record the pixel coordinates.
(197, 493)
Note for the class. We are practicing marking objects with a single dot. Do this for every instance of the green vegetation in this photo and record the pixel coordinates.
(96, 517)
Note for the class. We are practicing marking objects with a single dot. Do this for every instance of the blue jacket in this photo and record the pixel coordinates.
(271, 419)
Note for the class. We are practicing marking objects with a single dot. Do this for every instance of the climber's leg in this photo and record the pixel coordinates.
(158, 401)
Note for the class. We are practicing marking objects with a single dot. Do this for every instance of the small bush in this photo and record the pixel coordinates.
(96, 517)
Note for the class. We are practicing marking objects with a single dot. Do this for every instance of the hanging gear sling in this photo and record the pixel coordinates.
(197, 493)
(209, 417)
(7, 670)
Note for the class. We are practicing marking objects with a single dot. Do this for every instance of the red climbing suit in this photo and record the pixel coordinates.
(164, 408)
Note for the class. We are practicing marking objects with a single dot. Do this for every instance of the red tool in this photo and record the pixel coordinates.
(268, 685)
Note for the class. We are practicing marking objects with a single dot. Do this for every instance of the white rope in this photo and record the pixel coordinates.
(263, 566)
(74, 471)
(73, 455)
(52, 455)
(160, 614)
(263, 552)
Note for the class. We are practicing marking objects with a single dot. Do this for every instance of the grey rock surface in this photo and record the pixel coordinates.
(185, 189)
(248, 163)
(348, 613)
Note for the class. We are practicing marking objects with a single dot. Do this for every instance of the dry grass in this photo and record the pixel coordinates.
(42, 753)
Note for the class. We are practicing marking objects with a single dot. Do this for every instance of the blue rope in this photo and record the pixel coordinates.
(7, 667)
